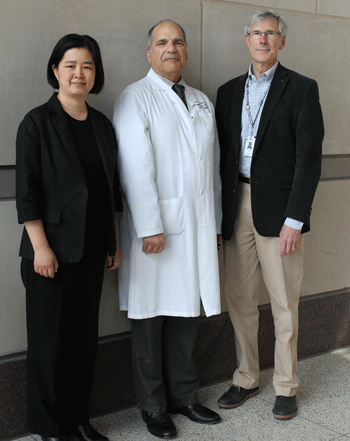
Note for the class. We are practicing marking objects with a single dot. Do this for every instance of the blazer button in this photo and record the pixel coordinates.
(233, 191)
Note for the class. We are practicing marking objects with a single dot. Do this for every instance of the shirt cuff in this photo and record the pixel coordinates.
(293, 223)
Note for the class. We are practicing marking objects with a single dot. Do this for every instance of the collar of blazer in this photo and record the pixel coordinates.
(278, 85)
(60, 121)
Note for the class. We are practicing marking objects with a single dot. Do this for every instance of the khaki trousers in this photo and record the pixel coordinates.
(247, 256)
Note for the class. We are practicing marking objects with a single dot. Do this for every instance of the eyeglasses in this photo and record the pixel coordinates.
(270, 35)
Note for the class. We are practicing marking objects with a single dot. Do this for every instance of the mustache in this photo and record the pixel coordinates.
(170, 56)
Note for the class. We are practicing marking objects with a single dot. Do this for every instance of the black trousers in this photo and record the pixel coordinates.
(163, 365)
(62, 328)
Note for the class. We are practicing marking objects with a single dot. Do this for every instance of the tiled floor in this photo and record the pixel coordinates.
(323, 410)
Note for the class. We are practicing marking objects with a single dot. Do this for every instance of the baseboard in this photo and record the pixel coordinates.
(323, 325)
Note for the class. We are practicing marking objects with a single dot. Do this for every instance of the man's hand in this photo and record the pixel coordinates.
(289, 240)
(154, 244)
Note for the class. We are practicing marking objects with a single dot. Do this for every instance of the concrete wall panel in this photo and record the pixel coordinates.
(327, 254)
(7, 182)
(339, 8)
(12, 299)
(112, 321)
(225, 55)
(336, 166)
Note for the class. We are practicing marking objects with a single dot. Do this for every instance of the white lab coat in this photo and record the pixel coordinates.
(169, 171)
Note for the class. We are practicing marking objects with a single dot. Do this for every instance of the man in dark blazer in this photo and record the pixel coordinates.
(271, 131)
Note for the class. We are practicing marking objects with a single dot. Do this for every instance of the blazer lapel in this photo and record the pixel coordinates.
(278, 85)
(59, 120)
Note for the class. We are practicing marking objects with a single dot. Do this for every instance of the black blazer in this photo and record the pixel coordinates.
(50, 182)
(286, 163)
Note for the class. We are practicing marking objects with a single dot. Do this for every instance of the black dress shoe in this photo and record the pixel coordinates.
(285, 407)
(88, 433)
(197, 413)
(48, 438)
(159, 424)
(236, 396)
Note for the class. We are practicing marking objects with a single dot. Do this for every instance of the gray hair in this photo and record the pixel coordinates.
(264, 14)
(150, 32)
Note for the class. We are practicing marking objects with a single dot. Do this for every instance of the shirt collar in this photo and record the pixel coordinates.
(171, 83)
(268, 75)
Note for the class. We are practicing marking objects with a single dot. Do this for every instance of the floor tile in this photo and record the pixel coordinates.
(254, 421)
(325, 390)
(125, 425)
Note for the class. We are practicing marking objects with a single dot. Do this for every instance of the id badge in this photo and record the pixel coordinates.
(249, 146)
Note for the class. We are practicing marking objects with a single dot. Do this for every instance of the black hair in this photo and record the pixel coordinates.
(72, 41)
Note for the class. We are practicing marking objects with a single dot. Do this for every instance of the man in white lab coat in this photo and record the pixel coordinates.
(169, 172)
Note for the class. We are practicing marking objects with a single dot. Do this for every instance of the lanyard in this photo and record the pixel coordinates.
(247, 107)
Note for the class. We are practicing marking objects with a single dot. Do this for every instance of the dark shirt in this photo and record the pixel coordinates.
(98, 191)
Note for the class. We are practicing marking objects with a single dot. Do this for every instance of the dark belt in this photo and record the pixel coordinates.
(243, 179)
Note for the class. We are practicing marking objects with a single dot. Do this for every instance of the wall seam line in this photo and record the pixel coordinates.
(202, 46)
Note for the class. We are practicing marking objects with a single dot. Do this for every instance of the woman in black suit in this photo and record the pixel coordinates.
(67, 193)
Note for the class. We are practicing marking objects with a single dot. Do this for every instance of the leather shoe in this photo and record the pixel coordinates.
(49, 438)
(88, 433)
(285, 407)
(197, 413)
(159, 425)
(236, 396)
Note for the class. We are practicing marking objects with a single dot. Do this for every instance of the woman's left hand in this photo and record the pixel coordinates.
(114, 262)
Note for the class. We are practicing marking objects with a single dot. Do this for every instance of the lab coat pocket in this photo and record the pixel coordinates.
(172, 214)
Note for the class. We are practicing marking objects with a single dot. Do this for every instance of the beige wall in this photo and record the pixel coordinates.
(317, 46)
